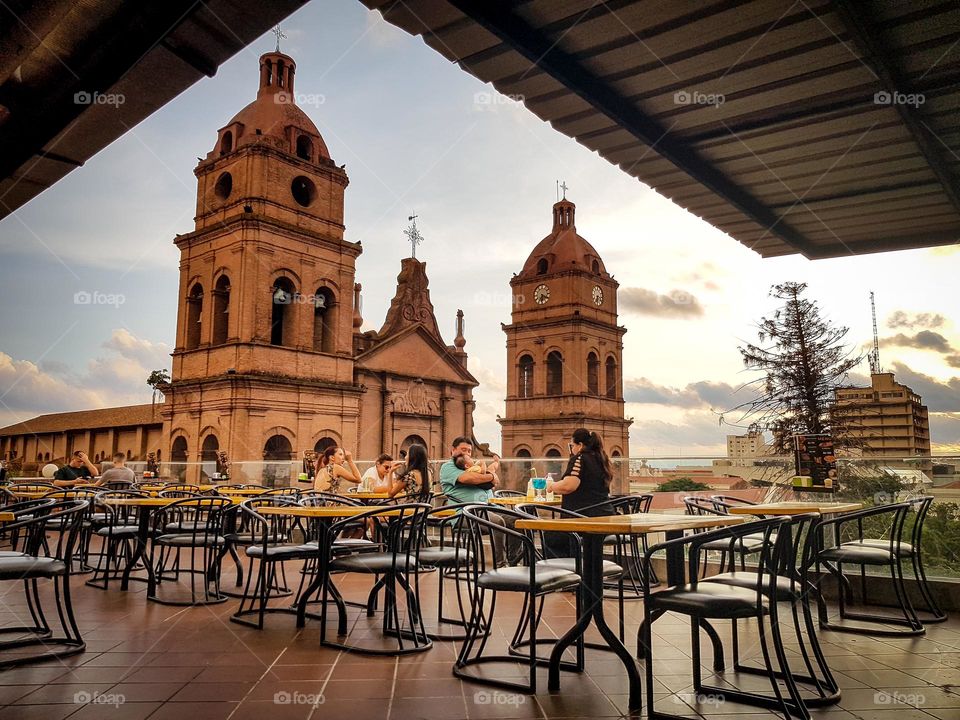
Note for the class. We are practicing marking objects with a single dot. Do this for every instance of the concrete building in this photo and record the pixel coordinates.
(743, 449)
(888, 419)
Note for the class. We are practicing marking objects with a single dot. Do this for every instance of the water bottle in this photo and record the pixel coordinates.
(549, 487)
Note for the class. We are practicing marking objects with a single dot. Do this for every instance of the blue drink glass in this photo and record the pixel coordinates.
(539, 485)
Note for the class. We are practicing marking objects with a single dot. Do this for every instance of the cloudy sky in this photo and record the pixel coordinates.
(416, 134)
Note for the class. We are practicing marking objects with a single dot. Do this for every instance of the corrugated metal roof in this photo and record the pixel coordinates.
(825, 127)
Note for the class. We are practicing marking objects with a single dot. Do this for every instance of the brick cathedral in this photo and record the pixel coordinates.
(270, 360)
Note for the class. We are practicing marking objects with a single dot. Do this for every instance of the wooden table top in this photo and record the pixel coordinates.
(334, 511)
(796, 508)
(523, 500)
(145, 502)
(251, 492)
(636, 524)
(367, 495)
(7, 517)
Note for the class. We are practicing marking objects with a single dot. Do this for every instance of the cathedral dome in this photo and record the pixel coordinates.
(275, 111)
(563, 250)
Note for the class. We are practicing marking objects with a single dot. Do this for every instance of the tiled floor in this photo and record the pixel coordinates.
(145, 660)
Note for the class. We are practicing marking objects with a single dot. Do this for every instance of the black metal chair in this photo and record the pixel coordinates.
(888, 553)
(29, 566)
(13, 538)
(118, 533)
(194, 524)
(399, 529)
(508, 493)
(747, 544)
(268, 543)
(912, 550)
(87, 525)
(487, 577)
(793, 586)
(702, 601)
(628, 550)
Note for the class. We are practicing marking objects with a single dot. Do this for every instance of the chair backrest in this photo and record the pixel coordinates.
(400, 528)
(201, 517)
(478, 530)
(701, 506)
(258, 528)
(31, 528)
(775, 544)
(922, 506)
(508, 493)
(33, 487)
(316, 498)
(168, 493)
(729, 501)
(117, 515)
(117, 485)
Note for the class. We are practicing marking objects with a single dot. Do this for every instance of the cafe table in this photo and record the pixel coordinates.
(7, 517)
(594, 530)
(789, 507)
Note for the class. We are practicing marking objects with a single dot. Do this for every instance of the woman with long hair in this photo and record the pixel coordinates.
(414, 477)
(584, 487)
(335, 464)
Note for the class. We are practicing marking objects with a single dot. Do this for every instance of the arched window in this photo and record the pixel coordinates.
(39, 457)
(593, 374)
(226, 144)
(304, 148)
(221, 310)
(323, 443)
(523, 453)
(277, 448)
(46, 457)
(282, 296)
(411, 440)
(525, 377)
(178, 458)
(553, 453)
(612, 381)
(208, 454)
(554, 373)
(542, 266)
(324, 327)
(194, 316)
(596, 267)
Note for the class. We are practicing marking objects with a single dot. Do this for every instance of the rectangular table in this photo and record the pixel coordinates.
(796, 508)
(513, 500)
(594, 530)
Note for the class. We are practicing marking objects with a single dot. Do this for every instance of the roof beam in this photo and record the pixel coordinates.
(868, 38)
(544, 53)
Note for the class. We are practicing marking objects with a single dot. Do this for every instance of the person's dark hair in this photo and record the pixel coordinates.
(417, 460)
(119, 457)
(593, 444)
(383, 457)
(328, 455)
(460, 440)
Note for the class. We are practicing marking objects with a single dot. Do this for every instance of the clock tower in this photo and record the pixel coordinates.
(564, 348)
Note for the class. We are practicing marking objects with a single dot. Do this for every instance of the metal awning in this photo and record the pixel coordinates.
(820, 127)
(64, 64)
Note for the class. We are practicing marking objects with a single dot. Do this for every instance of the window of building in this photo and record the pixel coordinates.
(525, 377)
(593, 374)
(221, 310)
(324, 325)
(304, 148)
(282, 296)
(226, 144)
(542, 266)
(194, 316)
(612, 378)
(554, 373)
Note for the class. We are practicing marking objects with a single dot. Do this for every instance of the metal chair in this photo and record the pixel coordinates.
(702, 601)
(118, 533)
(486, 577)
(888, 553)
(508, 493)
(29, 566)
(746, 545)
(399, 529)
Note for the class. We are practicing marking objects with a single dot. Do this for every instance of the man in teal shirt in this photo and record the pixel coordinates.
(461, 486)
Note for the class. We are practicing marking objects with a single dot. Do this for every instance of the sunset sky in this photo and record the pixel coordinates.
(417, 134)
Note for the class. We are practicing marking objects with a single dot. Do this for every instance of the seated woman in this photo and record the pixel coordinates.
(335, 465)
(414, 477)
(585, 484)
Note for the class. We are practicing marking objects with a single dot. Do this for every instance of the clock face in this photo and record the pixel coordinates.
(597, 295)
(541, 294)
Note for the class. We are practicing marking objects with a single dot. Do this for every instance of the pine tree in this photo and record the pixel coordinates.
(804, 358)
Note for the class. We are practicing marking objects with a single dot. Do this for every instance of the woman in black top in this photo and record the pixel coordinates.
(584, 488)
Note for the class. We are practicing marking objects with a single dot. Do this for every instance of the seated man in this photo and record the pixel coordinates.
(78, 470)
(119, 472)
(476, 486)
(376, 479)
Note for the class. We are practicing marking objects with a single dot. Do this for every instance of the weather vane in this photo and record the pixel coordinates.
(279, 33)
(413, 235)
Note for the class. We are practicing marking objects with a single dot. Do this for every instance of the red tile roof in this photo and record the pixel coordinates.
(125, 416)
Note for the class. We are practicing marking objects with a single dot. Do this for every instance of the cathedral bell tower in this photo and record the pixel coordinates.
(264, 359)
(564, 348)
